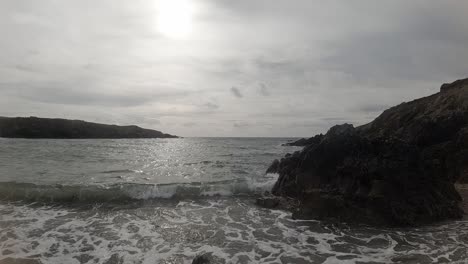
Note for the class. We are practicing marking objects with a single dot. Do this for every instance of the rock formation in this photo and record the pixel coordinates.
(33, 127)
(304, 142)
(400, 169)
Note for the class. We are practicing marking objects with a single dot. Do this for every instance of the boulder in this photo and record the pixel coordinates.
(400, 169)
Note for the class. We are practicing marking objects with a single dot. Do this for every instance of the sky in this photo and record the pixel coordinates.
(259, 68)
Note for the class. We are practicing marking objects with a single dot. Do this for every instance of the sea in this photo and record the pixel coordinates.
(171, 200)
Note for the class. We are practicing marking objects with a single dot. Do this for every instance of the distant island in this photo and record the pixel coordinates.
(35, 127)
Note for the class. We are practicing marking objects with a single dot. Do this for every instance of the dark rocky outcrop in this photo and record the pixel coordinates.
(400, 169)
(304, 142)
(34, 127)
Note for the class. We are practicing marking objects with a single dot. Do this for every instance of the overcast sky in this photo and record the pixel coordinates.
(224, 67)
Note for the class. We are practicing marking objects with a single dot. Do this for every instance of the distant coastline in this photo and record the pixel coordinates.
(35, 127)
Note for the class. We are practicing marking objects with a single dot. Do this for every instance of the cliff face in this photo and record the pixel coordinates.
(33, 127)
(399, 169)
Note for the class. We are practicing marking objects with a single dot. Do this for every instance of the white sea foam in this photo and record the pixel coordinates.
(263, 184)
(232, 229)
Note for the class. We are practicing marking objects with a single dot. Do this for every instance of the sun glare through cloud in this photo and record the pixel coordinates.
(175, 18)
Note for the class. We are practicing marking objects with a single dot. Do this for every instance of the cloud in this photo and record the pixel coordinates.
(334, 119)
(189, 124)
(310, 65)
(79, 94)
(236, 92)
(372, 108)
(27, 68)
(211, 105)
(241, 124)
(263, 90)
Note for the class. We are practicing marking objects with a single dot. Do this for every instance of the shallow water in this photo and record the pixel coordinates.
(145, 161)
(163, 201)
(233, 229)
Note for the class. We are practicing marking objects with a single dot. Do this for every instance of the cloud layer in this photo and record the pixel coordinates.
(249, 68)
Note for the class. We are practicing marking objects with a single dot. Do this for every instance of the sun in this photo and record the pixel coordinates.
(175, 18)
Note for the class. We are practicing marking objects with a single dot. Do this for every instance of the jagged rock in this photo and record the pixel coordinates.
(399, 169)
(34, 127)
(273, 167)
(305, 142)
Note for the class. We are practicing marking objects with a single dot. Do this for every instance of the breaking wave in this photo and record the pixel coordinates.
(15, 191)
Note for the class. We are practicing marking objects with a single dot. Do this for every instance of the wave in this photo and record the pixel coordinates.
(122, 192)
(122, 171)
